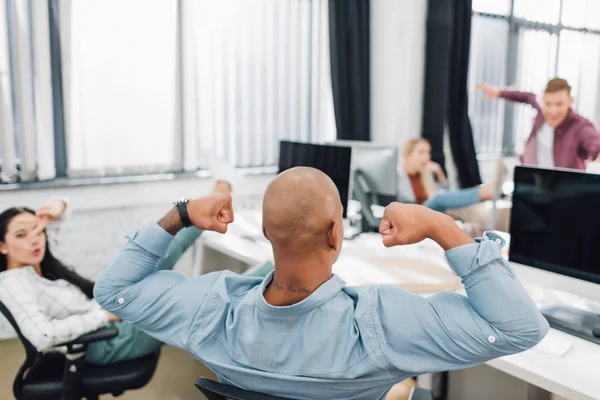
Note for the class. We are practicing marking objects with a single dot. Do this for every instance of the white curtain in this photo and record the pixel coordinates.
(8, 145)
(536, 63)
(27, 123)
(579, 63)
(42, 84)
(255, 71)
(489, 42)
(120, 83)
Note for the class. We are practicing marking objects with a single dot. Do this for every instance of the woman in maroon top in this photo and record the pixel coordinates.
(423, 181)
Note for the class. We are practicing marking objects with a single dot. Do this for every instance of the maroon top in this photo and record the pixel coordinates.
(575, 139)
(417, 186)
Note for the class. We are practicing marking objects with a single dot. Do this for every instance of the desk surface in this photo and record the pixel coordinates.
(574, 375)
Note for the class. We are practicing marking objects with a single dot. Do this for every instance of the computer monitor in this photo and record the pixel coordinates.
(555, 226)
(377, 164)
(333, 160)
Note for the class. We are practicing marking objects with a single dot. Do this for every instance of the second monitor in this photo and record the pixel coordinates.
(376, 165)
(335, 161)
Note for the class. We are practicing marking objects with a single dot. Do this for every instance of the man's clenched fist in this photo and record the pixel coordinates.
(410, 223)
(211, 213)
(406, 224)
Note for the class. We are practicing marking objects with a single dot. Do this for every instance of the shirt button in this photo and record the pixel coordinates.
(491, 339)
(121, 300)
(498, 241)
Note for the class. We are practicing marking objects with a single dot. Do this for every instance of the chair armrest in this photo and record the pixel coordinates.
(100, 334)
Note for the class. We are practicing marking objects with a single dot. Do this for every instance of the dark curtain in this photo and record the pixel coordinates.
(350, 75)
(445, 96)
(60, 143)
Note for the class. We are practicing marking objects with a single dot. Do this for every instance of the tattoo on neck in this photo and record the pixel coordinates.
(303, 289)
(291, 289)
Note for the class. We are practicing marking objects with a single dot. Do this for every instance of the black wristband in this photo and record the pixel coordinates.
(183, 214)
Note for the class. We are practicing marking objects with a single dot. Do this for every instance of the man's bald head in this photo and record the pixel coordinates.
(300, 208)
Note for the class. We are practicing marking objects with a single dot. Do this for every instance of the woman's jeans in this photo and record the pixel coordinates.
(442, 201)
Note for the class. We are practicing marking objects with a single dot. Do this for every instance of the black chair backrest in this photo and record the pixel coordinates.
(30, 349)
(219, 391)
(31, 353)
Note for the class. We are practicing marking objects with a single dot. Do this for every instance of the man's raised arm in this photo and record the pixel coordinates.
(162, 303)
(510, 95)
(449, 331)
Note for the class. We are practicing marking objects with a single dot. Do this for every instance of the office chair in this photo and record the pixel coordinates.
(219, 391)
(54, 375)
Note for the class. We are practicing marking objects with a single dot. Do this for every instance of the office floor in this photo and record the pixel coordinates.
(173, 380)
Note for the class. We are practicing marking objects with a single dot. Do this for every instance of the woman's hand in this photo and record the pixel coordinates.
(49, 213)
(112, 317)
(437, 170)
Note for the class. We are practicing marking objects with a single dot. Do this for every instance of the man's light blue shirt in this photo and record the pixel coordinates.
(339, 343)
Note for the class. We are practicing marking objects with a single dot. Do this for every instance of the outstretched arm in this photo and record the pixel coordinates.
(510, 95)
(448, 330)
(162, 303)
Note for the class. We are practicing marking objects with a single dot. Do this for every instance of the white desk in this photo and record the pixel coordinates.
(573, 376)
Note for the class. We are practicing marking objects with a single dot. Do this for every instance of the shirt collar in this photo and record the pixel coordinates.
(559, 129)
(324, 293)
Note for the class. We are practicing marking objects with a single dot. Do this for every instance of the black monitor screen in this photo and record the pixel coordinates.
(555, 222)
(332, 160)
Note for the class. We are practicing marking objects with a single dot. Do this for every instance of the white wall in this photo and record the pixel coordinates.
(397, 69)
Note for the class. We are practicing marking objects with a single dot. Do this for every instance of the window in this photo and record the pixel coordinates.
(488, 60)
(8, 144)
(26, 123)
(146, 86)
(258, 72)
(524, 47)
(121, 90)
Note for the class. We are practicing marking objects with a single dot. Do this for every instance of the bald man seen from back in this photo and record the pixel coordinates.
(302, 218)
(301, 333)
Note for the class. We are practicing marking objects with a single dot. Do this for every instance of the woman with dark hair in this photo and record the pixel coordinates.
(51, 303)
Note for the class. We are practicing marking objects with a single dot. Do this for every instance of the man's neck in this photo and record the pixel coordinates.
(293, 280)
